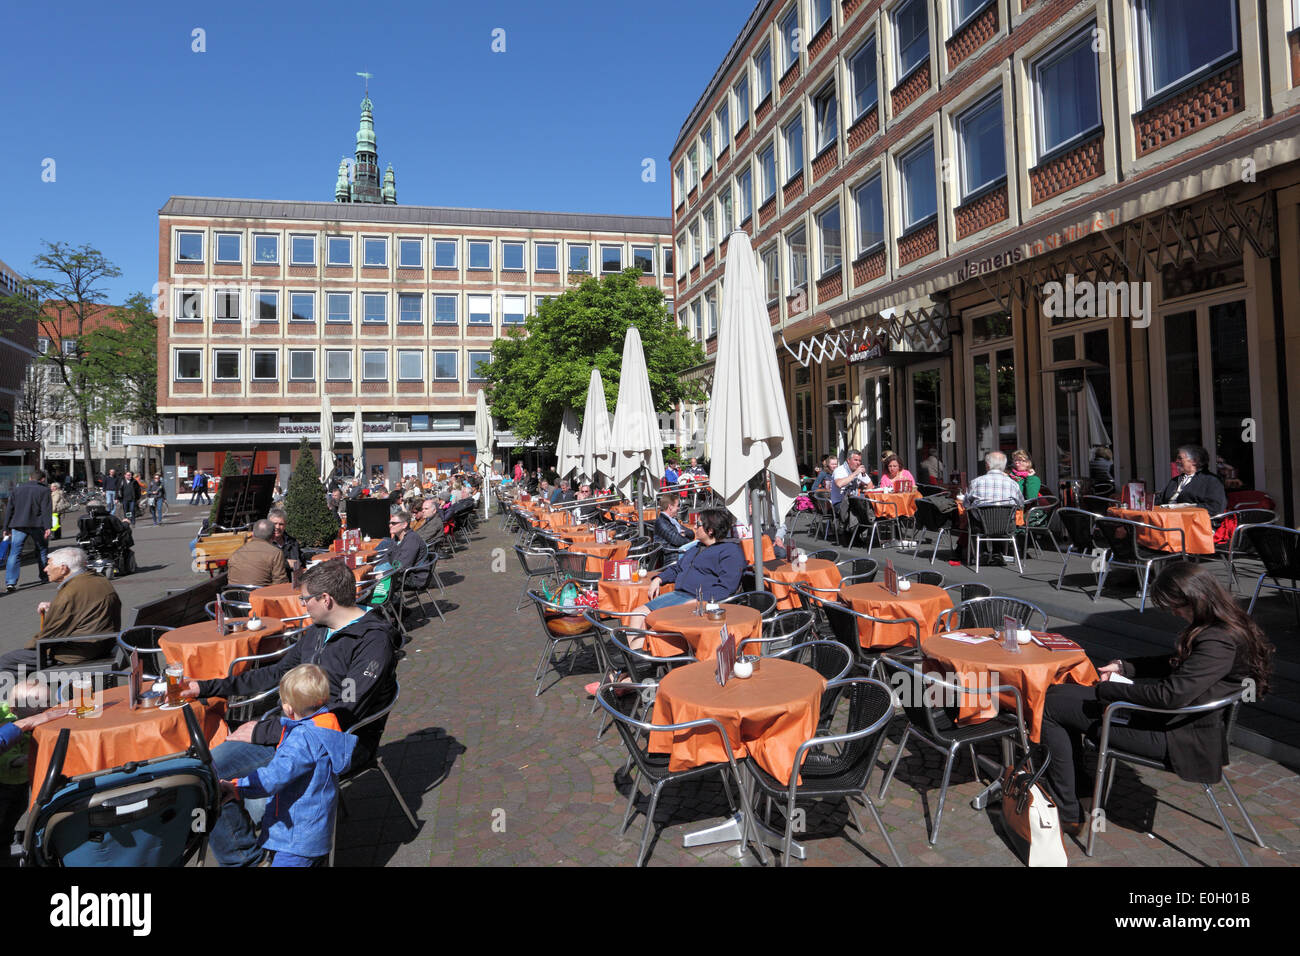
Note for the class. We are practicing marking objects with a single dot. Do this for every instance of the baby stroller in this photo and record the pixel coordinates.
(152, 813)
(107, 541)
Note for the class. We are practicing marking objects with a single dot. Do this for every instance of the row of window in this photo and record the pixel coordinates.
(263, 365)
(1180, 40)
(445, 253)
(61, 434)
(264, 306)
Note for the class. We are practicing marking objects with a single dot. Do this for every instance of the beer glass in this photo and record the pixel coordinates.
(175, 681)
(83, 696)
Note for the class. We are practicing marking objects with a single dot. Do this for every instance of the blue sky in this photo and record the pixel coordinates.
(131, 115)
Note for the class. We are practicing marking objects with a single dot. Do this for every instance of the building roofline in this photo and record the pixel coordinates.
(182, 206)
(756, 16)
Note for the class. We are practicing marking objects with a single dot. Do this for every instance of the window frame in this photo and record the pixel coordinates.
(253, 376)
(722, 115)
(330, 353)
(833, 114)
(403, 354)
(618, 248)
(764, 54)
(771, 271)
(455, 308)
(649, 252)
(555, 250)
(959, 24)
(825, 270)
(366, 355)
(199, 297)
(274, 237)
(869, 45)
(298, 353)
(404, 243)
(470, 363)
(523, 313)
(745, 190)
(401, 312)
(228, 295)
(469, 308)
(901, 73)
(706, 146)
(1047, 58)
(878, 180)
(768, 170)
(571, 248)
(959, 122)
(455, 362)
(479, 244)
(218, 259)
(217, 354)
(275, 294)
(365, 308)
(295, 240)
(293, 311)
(521, 246)
(329, 313)
(740, 90)
(790, 257)
(1142, 29)
(791, 44)
(176, 363)
(909, 223)
(329, 251)
(366, 245)
(441, 244)
(791, 170)
(830, 13)
(181, 236)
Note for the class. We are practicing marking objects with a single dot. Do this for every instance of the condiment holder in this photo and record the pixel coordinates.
(714, 612)
(1024, 636)
(746, 665)
(904, 585)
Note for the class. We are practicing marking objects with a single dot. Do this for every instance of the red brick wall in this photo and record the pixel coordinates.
(905, 93)
(791, 78)
(793, 188)
(1214, 99)
(972, 36)
(828, 287)
(919, 243)
(864, 129)
(982, 212)
(1079, 165)
(869, 268)
(826, 162)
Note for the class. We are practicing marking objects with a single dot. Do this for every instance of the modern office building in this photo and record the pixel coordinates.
(271, 306)
(1064, 226)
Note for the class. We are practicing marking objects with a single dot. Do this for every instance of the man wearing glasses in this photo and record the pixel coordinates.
(355, 649)
(402, 547)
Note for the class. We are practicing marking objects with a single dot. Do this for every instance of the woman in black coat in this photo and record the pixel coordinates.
(1195, 485)
(1219, 650)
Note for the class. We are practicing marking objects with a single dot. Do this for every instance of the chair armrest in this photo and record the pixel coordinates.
(44, 642)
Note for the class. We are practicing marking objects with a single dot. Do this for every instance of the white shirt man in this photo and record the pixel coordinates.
(848, 477)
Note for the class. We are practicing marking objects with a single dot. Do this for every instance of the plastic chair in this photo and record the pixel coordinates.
(821, 773)
(1108, 757)
(932, 724)
(989, 612)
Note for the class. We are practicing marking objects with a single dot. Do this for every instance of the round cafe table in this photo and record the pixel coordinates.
(894, 504)
(600, 553)
(621, 597)
(205, 655)
(1198, 534)
(629, 512)
(924, 602)
(697, 635)
(119, 734)
(818, 572)
(985, 665)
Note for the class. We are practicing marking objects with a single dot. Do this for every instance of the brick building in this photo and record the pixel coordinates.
(270, 305)
(938, 190)
(17, 351)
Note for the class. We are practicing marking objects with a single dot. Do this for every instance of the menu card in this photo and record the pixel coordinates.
(744, 532)
(726, 657)
(903, 486)
(1055, 642)
(891, 578)
(1009, 628)
(602, 536)
(620, 569)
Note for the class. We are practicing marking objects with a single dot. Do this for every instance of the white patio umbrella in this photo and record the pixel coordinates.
(749, 424)
(635, 441)
(568, 452)
(484, 438)
(358, 447)
(593, 444)
(326, 439)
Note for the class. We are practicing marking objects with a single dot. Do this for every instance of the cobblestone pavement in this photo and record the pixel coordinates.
(498, 776)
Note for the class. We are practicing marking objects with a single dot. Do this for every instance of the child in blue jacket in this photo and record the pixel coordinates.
(302, 777)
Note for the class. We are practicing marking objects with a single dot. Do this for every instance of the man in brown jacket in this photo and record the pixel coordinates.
(85, 604)
(259, 562)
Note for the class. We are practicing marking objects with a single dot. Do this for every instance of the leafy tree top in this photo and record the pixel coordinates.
(540, 370)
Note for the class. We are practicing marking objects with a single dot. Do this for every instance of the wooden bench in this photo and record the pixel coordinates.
(212, 553)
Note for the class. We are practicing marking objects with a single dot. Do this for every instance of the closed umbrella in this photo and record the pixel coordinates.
(484, 437)
(749, 424)
(358, 447)
(635, 441)
(326, 440)
(568, 452)
(593, 445)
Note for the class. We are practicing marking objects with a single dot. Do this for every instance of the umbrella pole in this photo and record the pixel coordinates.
(756, 536)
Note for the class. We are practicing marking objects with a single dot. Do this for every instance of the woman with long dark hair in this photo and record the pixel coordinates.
(1218, 652)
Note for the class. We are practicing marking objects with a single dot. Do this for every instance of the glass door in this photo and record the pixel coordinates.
(876, 426)
(925, 456)
(1081, 408)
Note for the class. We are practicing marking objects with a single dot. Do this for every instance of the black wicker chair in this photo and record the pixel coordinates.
(989, 612)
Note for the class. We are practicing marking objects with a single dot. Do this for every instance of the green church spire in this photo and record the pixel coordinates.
(365, 185)
(390, 186)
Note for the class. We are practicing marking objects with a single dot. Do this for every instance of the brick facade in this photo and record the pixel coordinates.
(982, 212)
(1081, 164)
(826, 162)
(869, 268)
(972, 36)
(913, 85)
(865, 128)
(918, 243)
(828, 287)
(1214, 99)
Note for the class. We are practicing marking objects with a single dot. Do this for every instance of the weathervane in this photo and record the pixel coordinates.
(367, 77)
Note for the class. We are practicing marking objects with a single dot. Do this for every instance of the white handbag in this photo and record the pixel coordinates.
(1031, 814)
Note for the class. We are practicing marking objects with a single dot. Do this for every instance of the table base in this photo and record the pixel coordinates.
(729, 831)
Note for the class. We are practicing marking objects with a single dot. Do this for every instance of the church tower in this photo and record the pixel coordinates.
(366, 185)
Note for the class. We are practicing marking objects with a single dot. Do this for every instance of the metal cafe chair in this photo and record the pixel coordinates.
(1123, 549)
(143, 640)
(1235, 548)
(536, 563)
(865, 568)
(561, 625)
(992, 523)
(967, 590)
(1108, 757)
(1279, 549)
(989, 612)
(1080, 532)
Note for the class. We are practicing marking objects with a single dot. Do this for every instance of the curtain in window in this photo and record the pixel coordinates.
(1184, 35)
(1069, 95)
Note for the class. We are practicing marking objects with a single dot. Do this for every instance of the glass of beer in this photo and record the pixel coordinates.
(83, 696)
(175, 683)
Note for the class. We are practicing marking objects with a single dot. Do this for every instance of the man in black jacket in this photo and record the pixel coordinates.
(129, 493)
(353, 646)
(668, 531)
(29, 515)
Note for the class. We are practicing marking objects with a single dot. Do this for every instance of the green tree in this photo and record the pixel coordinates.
(69, 295)
(309, 517)
(538, 371)
(121, 361)
(229, 469)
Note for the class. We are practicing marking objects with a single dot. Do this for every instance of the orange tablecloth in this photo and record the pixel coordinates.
(893, 504)
(819, 572)
(925, 602)
(556, 519)
(206, 656)
(985, 665)
(120, 734)
(600, 553)
(629, 511)
(765, 717)
(622, 596)
(700, 636)
(747, 544)
(1195, 522)
(277, 600)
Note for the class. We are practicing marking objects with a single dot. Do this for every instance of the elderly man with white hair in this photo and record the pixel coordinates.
(995, 486)
(84, 604)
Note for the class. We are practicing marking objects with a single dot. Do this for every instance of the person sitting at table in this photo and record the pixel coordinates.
(1022, 470)
(1219, 648)
(668, 531)
(712, 570)
(695, 470)
(403, 547)
(561, 494)
(1195, 485)
(303, 774)
(85, 603)
(259, 562)
(823, 479)
(894, 472)
(588, 512)
(286, 542)
(848, 479)
(931, 467)
(995, 486)
(353, 645)
(22, 712)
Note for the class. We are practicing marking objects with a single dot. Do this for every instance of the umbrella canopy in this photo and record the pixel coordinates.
(484, 438)
(749, 424)
(634, 439)
(568, 452)
(593, 445)
(358, 447)
(326, 440)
